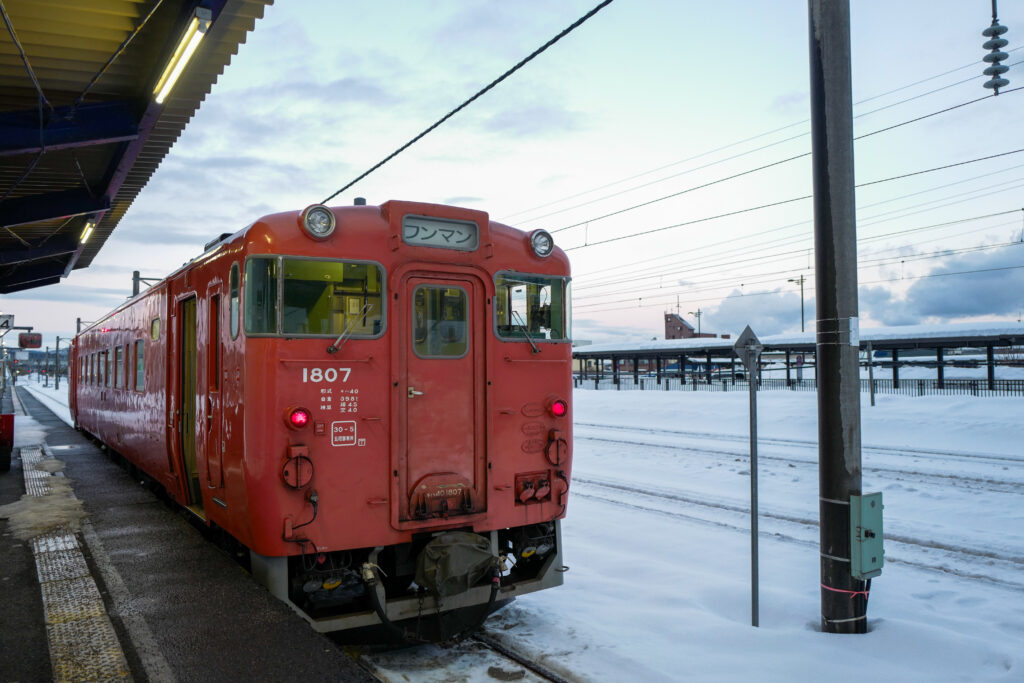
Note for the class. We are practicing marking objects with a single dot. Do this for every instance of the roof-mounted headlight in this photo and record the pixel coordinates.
(542, 243)
(317, 221)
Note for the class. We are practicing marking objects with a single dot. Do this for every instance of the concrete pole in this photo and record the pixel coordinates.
(838, 336)
(56, 366)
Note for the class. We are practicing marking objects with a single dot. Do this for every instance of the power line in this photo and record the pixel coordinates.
(781, 202)
(861, 265)
(569, 29)
(740, 142)
(770, 165)
(691, 302)
(710, 285)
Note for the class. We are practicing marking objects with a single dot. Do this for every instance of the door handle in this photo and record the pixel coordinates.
(413, 393)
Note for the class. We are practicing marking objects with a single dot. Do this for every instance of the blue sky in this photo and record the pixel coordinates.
(699, 91)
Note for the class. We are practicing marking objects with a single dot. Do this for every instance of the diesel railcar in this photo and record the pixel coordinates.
(373, 400)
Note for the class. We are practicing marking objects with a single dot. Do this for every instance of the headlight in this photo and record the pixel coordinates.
(542, 243)
(317, 221)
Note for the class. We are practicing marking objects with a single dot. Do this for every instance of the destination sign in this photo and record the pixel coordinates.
(421, 231)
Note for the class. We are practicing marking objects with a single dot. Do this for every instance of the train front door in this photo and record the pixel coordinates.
(442, 451)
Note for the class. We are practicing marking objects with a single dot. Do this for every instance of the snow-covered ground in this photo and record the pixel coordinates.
(657, 539)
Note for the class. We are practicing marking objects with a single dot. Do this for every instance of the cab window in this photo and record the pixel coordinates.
(531, 307)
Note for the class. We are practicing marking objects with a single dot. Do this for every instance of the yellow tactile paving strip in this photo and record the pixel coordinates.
(83, 644)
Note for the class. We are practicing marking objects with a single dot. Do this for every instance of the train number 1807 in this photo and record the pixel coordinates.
(330, 375)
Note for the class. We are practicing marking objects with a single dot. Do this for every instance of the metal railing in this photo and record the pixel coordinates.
(905, 387)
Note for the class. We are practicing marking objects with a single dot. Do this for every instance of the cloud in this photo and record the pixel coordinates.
(598, 332)
(970, 285)
(533, 121)
(767, 313)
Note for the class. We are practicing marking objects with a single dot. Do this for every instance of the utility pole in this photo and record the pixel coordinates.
(843, 598)
(697, 315)
(800, 280)
(56, 365)
(46, 368)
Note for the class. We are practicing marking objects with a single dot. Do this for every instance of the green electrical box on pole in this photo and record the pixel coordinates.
(866, 553)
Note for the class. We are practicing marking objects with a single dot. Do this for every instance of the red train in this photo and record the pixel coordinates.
(373, 400)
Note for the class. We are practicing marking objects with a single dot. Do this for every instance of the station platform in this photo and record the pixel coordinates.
(180, 608)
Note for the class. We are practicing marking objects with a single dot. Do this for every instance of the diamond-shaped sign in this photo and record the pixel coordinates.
(748, 348)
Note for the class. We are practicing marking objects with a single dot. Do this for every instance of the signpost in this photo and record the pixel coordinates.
(748, 347)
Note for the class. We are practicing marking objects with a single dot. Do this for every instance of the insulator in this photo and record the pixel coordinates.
(996, 83)
(996, 29)
(996, 70)
(994, 57)
(995, 43)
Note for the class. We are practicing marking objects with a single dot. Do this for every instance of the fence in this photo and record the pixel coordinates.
(905, 387)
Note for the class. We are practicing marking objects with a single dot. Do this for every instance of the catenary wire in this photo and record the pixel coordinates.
(740, 142)
(731, 242)
(569, 29)
(778, 203)
(770, 165)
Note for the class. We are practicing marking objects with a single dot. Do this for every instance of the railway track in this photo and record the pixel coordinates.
(987, 484)
(806, 443)
(949, 558)
(480, 656)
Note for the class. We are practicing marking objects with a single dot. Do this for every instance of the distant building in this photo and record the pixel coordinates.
(677, 328)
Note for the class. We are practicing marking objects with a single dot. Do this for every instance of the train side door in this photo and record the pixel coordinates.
(442, 457)
(188, 389)
(211, 388)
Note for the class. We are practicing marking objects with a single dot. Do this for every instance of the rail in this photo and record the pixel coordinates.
(904, 387)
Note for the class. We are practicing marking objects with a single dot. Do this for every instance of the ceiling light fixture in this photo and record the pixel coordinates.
(197, 28)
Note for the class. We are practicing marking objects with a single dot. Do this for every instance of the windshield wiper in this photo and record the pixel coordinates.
(520, 324)
(343, 338)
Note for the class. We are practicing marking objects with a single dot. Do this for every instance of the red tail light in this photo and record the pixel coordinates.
(298, 418)
(559, 408)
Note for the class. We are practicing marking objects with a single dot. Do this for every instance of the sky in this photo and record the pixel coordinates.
(648, 99)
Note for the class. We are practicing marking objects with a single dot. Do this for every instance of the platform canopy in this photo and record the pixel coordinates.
(81, 130)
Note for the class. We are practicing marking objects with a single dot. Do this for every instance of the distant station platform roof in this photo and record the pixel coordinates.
(881, 338)
(93, 94)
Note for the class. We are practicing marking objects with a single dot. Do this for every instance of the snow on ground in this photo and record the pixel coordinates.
(657, 538)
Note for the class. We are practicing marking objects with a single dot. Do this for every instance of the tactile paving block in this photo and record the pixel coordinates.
(70, 600)
(58, 539)
(87, 650)
(61, 565)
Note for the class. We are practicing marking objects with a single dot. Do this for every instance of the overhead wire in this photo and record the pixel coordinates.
(623, 268)
(862, 264)
(778, 203)
(740, 142)
(763, 167)
(526, 60)
(690, 302)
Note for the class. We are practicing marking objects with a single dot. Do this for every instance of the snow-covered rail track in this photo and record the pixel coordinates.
(477, 657)
(980, 483)
(1001, 568)
(806, 443)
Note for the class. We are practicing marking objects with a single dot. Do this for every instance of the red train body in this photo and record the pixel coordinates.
(337, 388)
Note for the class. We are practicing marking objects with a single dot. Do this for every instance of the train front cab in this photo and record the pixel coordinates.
(434, 415)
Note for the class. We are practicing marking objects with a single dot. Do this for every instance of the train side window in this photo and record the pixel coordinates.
(234, 300)
(118, 367)
(154, 329)
(261, 295)
(140, 365)
(214, 361)
(102, 367)
(440, 322)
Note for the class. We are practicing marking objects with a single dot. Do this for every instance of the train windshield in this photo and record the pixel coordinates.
(301, 297)
(531, 307)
